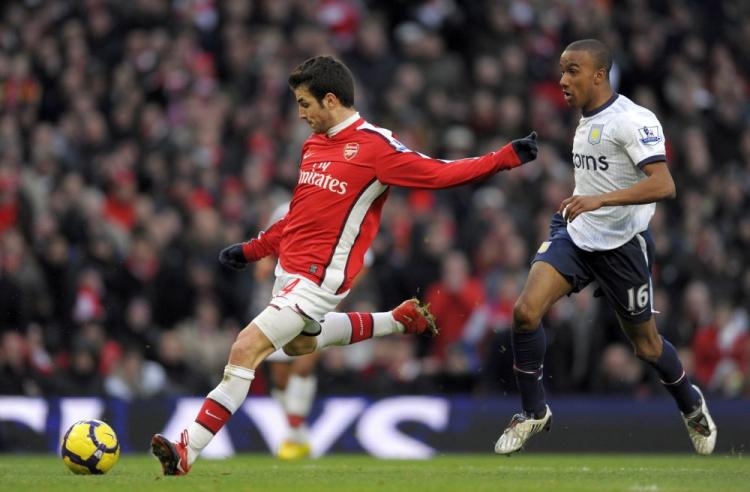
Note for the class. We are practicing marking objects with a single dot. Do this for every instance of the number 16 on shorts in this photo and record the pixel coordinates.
(638, 298)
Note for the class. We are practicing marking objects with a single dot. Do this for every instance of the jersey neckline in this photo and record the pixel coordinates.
(601, 108)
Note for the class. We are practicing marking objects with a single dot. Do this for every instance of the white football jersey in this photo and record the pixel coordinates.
(611, 145)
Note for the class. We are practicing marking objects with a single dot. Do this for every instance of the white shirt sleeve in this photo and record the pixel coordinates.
(642, 138)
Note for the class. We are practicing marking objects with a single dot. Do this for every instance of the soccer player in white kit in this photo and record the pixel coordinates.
(346, 171)
(601, 234)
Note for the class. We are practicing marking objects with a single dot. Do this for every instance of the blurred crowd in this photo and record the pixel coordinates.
(138, 138)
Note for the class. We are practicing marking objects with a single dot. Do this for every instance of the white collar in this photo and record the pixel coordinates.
(337, 128)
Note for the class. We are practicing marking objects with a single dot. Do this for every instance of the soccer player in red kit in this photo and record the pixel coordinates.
(346, 170)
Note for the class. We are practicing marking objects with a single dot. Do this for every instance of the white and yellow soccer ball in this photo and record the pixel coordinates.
(90, 447)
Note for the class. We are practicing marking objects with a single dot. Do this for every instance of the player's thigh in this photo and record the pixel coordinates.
(251, 347)
(624, 277)
(280, 325)
(558, 269)
(544, 286)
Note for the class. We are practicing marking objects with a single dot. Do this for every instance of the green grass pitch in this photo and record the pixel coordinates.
(521, 473)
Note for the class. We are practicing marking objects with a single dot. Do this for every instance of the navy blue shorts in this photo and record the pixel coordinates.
(623, 274)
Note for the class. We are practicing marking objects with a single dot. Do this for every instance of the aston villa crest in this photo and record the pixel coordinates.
(595, 134)
(350, 150)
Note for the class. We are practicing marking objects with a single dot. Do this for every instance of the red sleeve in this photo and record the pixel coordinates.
(267, 242)
(403, 167)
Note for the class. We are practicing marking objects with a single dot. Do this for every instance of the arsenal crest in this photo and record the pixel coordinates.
(350, 150)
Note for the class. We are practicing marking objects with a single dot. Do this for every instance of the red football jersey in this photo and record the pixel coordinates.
(335, 210)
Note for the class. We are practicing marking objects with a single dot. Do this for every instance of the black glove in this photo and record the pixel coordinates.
(233, 257)
(526, 148)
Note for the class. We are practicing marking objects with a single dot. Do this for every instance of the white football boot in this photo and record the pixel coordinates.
(701, 427)
(520, 430)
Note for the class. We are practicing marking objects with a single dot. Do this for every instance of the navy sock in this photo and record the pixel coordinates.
(675, 380)
(528, 357)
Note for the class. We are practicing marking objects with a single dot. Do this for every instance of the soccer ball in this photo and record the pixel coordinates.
(90, 447)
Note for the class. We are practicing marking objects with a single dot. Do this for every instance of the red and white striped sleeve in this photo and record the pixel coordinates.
(397, 165)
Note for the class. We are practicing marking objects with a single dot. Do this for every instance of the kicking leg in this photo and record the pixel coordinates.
(650, 347)
(544, 287)
(410, 317)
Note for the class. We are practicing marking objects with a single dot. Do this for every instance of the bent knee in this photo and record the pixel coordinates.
(525, 317)
(294, 351)
(300, 346)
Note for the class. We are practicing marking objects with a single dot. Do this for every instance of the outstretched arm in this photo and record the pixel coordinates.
(656, 187)
(403, 167)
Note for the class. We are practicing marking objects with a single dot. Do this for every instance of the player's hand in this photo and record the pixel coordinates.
(572, 207)
(526, 148)
(233, 257)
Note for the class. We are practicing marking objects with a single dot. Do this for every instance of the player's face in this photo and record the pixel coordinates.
(317, 114)
(578, 78)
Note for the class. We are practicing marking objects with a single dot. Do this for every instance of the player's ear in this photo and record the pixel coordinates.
(600, 76)
(330, 100)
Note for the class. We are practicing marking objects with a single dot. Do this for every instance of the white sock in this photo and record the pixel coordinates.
(335, 330)
(280, 396)
(300, 393)
(383, 324)
(300, 434)
(230, 394)
(299, 396)
(337, 327)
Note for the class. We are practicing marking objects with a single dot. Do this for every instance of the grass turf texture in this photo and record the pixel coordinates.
(525, 472)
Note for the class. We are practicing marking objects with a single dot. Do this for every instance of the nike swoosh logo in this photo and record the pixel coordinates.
(307, 154)
(208, 412)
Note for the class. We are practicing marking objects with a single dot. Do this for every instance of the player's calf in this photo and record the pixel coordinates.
(410, 317)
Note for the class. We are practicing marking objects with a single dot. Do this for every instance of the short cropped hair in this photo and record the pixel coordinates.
(599, 52)
(324, 74)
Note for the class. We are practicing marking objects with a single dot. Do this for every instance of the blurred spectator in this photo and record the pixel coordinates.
(17, 374)
(204, 340)
(722, 351)
(80, 375)
(184, 376)
(134, 377)
(452, 301)
(619, 371)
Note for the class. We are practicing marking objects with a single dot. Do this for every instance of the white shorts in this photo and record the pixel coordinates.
(301, 296)
(304, 296)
